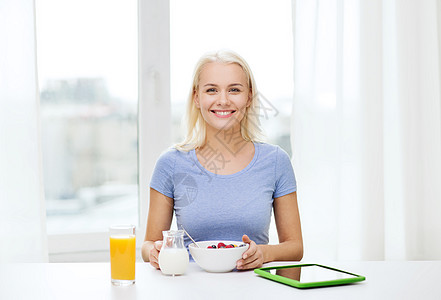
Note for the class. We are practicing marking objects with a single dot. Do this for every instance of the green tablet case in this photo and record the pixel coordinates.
(292, 282)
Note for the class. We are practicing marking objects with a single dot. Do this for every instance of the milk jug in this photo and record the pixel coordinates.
(173, 257)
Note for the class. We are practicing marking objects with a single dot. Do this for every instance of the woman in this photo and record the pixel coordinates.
(221, 182)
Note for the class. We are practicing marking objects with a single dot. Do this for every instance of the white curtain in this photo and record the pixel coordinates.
(366, 128)
(22, 214)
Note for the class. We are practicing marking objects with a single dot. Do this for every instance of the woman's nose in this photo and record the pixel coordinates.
(223, 98)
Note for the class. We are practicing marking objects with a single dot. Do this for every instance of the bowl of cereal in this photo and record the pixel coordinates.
(217, 256)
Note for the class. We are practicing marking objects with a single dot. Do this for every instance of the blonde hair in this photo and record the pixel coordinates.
(195, 123)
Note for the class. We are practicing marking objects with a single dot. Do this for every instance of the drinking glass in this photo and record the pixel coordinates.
(122, 254)
(173, 257)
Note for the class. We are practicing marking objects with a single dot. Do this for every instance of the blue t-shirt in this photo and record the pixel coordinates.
(224, 207)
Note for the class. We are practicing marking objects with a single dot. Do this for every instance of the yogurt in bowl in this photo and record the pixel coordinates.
(217, 259)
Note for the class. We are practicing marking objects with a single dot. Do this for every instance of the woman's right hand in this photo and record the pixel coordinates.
(154, 254)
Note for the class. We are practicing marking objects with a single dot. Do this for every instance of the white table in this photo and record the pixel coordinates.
(384, 280)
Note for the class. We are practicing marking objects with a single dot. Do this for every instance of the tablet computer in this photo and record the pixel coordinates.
(308, 275)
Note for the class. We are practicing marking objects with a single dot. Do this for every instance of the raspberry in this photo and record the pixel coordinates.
(221, 245)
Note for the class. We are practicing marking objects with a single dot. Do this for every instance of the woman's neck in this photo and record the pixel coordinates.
(225, 152)
(228, 142)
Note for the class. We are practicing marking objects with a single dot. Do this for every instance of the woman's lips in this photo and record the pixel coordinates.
(223, 113)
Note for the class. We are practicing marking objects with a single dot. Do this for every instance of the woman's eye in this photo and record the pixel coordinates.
(212, 90)
(235, 90)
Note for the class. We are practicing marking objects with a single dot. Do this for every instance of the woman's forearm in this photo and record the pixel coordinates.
(285, 251)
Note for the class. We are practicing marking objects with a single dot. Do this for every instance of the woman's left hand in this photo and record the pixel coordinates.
(252, 258)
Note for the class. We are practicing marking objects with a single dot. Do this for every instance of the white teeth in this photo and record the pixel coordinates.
(223, 113)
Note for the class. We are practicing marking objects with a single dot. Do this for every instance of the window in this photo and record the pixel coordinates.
(93, 139)
(87, 64)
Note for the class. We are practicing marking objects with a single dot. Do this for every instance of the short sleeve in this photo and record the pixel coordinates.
(285, 178)
(162, 178)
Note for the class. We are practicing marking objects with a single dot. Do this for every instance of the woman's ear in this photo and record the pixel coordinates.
(196, 99)
(250, 99)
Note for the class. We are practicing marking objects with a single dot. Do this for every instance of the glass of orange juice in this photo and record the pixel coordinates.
(122, 254)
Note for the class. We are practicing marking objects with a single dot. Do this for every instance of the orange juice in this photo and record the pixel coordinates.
(122, 257)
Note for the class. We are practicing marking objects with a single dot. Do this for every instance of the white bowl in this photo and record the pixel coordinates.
(217, 260)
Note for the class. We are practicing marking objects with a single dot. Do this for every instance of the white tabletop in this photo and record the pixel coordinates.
(384, 280)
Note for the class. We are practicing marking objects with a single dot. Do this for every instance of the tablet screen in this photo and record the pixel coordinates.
(313, 273)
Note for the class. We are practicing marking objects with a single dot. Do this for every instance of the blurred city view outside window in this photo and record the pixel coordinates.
(259, 31)
(89, 110)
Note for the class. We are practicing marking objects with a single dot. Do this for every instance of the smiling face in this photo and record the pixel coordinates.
(222, 96)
